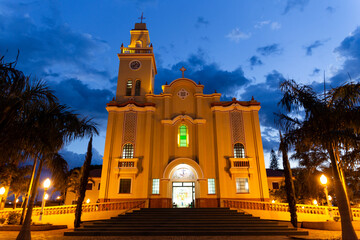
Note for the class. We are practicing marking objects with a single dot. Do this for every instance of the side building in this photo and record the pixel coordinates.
(179, 148)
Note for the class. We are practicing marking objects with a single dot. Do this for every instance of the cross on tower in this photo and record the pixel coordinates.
(182, 70)
(142, 17)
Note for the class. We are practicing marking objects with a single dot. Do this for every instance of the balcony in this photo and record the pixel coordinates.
(127, 50)
(126, 165)
(241, 165)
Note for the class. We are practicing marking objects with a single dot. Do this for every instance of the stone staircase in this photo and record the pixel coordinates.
(184, 222)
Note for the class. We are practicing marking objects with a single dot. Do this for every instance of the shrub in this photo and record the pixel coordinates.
(13, 218)
(2, 220)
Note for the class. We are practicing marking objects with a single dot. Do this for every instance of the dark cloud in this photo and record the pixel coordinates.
(295, 4)
(77, 160)
(330, 9)
(48, 47)
(209, 74)
(255, 61)
(349, 49)
(201, 21)
(315, 72)
(86, 101)
(309, 48)
(270, 49)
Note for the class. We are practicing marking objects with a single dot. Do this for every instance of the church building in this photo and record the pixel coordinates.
(179, 148)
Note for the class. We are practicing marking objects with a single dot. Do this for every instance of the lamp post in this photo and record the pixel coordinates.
(45, 197)
(2, 191)
(323, 180)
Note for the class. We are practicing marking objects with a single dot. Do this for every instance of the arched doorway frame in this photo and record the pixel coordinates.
(183, 163)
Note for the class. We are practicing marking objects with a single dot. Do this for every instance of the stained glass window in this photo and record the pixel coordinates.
(183, 138)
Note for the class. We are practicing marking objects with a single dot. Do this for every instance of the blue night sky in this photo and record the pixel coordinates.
(239, 48)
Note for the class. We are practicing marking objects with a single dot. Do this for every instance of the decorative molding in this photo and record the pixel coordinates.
(129, 129)
(237, 128)
(182, 94)
(183, 117)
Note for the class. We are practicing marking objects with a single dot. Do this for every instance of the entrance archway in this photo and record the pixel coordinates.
(183, 188)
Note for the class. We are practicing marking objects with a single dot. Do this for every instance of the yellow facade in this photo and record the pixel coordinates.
(176, 148)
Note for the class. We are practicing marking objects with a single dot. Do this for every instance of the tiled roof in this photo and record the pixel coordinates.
(274, 173)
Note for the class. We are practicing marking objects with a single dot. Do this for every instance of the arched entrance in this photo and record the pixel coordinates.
(183, 186)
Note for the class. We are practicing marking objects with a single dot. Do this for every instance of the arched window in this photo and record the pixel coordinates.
(128, 151)
(138, 44)
(128, 88)
(183, 136)
(239, 150)
(137, 88)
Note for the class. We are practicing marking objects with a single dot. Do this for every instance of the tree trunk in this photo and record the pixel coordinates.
(83, 183)
(26, 197)
(342, 199)
(289, 183)
(25, 233)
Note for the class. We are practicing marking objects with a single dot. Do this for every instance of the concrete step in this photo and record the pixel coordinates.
(244, 232)
(184, 222)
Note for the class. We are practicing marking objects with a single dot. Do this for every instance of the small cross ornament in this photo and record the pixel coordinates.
(142, 17)
(182, 70)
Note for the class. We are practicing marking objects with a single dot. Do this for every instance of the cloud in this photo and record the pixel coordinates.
(315, 72)
(330, 9)
(77, 160)
(208, 73)
(273, 25)
(295, 4)
(201, 21)
(83, 99)
(49, 48)
(349, 50)
(236, 35)
(318, 43)
(270, 50)
(255, 61)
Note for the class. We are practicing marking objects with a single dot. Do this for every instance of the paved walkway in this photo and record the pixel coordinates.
(59, 235)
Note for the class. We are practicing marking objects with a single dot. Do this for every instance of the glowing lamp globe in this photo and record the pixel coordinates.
(2, 190)
(315, 202)
(330, 198)
(17, 200)
(88, 200)
(323, 179)
(47, 183)
(46, 196)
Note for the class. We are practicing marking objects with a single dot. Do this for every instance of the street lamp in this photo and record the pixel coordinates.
(45, 197)
(323, 180)
(2, 191)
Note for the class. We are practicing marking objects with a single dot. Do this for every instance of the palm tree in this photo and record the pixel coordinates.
(51, 126)
(20, 182)
(18, 96)
(331, 122)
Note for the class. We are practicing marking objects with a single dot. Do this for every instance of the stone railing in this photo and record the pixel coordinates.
(128, 50)
(284, 207)
(91, 207)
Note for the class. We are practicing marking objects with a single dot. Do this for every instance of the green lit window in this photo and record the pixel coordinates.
(183, 136)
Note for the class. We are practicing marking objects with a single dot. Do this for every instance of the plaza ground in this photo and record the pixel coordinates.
(59, 234)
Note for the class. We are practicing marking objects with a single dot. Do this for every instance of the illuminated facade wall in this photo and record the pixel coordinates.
(154, 143)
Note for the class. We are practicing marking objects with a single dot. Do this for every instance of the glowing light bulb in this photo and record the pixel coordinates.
(88, 200)
(315, 202)
(2, 190)
(323, 179)
(46, 196)
(47, 183)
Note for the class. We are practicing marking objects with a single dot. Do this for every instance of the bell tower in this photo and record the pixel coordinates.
(137, 68)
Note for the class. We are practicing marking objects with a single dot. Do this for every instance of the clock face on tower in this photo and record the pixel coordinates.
(135, 64)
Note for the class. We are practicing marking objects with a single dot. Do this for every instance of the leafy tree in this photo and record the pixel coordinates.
(83, 182)
(274, 162)
(330, 122)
